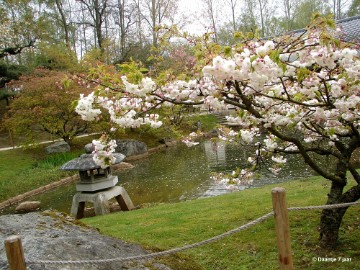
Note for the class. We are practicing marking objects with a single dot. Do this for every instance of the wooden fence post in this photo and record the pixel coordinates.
(282, 228)
(15, 253)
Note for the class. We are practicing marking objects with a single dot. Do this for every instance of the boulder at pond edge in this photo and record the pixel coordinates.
(130, 147)
(58, 147)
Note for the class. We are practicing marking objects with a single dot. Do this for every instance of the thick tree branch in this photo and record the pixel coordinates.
(16, 49)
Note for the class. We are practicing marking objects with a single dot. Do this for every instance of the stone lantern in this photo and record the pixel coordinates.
(97, 186)
(92, 176)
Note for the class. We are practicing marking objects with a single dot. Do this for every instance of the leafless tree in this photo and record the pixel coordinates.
(233, 6)
(212, 12)
(155, 13)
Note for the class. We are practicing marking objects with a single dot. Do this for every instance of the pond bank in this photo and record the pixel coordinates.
(68, 180)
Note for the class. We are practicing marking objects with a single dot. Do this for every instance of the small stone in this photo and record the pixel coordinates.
(89, 148)
(167, 141)
(27, 206)
(212, 133)
(122, 166)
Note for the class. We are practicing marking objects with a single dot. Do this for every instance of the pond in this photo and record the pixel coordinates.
(180, 173)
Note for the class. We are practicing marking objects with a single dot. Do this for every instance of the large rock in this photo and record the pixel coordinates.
(27, 206)
(58, 147)
(130, 147)
(54, 236)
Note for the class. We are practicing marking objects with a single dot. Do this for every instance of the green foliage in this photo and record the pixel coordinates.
(205, 122)
(10, 72)
(58, 57)
(139, 52)
(302, 73)
(226, 35)
(134, 71)
(44, 104)
(354, 8)
(92, 57)
(310, 10)
(227, 51)
(54, 161)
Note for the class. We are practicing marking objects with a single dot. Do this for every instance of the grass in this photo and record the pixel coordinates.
(24, 170)
(173, 225)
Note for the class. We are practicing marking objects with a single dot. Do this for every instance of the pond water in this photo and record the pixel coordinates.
(180, 173)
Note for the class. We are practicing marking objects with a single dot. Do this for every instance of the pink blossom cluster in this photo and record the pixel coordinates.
(103, 151)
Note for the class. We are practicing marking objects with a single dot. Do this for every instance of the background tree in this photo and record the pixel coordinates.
(97, 10)
(248, 19)
(62, 12)
(233, 8)
(44, 104)
(306, 9)
(339, 7)
(155, 13)
(264, 13)
(124, 20)
(354, 8)
(289, 7)
(211, 12)
(11, 47)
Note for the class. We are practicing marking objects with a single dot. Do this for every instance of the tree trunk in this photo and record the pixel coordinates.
(331, 219)
(68, 140)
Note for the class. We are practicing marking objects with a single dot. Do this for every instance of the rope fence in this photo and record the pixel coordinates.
(328, 206)
(17, 260)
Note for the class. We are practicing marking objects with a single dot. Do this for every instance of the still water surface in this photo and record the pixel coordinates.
(181, 173)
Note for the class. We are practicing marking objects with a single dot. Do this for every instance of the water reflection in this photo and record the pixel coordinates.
(215, 153)
(181, 173)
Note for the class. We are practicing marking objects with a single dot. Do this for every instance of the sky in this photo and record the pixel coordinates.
(196, 20)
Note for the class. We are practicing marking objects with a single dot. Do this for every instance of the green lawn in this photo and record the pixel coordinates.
(25, 170)
(173, 225)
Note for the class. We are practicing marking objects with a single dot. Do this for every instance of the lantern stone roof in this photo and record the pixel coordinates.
(86, 162)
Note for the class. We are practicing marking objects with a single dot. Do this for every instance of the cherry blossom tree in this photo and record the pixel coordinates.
(297, 95)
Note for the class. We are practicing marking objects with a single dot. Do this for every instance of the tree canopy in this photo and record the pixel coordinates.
(44, 104)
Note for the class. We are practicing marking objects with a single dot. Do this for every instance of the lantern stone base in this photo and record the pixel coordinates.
(100, 199)
(102, 183)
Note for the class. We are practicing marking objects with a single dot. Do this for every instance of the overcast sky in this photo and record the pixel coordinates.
(193, 8)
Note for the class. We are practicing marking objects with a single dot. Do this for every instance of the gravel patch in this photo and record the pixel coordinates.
(55, 236)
